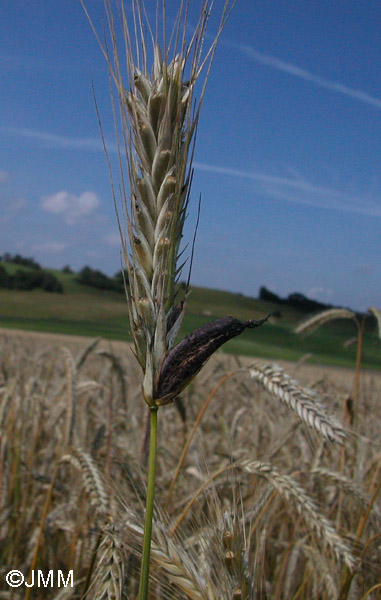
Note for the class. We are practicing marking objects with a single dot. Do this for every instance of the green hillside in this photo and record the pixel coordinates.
(84, 310)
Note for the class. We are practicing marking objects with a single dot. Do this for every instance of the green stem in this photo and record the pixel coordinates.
(144, 571)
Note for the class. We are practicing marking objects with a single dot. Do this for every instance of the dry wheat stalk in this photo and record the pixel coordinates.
(301, 400)
(289, 489)
(8, 396)
(91, 478)
(117, 366)
(86, 352)
(324, 317)
(71, 375)
(292, 564)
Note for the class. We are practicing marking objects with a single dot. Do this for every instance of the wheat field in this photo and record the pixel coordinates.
(262, 506)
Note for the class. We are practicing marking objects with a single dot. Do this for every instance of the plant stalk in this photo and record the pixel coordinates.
(144, 570)
(356, 383)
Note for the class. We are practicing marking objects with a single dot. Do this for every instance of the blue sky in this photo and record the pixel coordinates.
(287, 159)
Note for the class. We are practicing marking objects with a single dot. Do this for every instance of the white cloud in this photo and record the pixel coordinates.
(299, 191)
(61, 141)
(57, 203)
(72, 208)
(294, 70)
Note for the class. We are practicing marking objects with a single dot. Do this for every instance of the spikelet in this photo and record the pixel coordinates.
(324, 317)
(108, 583)
(158, 121)
(301, 400)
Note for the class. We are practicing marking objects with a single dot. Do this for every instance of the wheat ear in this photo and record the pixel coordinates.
(377, 313)
(91, 477)
(301, 400)
(350, 487)
(108, 583)
(305, 506)
(321, 318)
(174, 561)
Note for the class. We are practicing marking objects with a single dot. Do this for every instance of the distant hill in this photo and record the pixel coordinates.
(84, 309)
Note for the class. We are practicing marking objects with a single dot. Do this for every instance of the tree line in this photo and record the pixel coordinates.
(97, 279)
(296, 300)
(23, 279)
(31, 275)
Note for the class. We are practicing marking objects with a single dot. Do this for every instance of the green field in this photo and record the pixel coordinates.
(83, 310)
